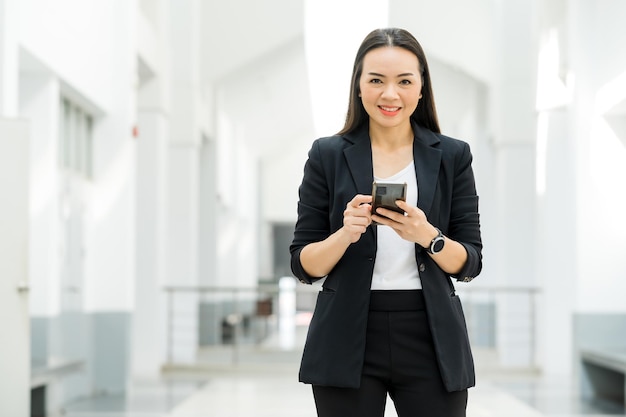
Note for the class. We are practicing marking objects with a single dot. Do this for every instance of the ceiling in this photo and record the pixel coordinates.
(236, 33)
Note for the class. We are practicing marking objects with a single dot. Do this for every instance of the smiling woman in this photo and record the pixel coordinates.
(390, 85)
(388, 321)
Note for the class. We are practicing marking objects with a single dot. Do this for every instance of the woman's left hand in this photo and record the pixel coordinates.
(412, 226)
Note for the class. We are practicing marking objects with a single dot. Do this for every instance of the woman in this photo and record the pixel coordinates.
(387, 320)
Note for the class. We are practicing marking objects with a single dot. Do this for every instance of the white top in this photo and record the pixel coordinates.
(395, 267)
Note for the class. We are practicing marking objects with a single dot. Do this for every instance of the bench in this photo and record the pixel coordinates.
(605, 371)
(43, 373)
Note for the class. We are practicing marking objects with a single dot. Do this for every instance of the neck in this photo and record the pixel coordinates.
(393, 137)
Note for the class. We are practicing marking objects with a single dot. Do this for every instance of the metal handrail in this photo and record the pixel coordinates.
(532, 305)
(235, 291)
(469, 293)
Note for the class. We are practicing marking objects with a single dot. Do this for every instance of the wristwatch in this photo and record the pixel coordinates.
(436, 245)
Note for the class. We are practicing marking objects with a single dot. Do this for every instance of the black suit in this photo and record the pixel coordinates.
(338, 168)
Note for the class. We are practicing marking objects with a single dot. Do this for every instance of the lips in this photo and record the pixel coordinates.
(389, 111)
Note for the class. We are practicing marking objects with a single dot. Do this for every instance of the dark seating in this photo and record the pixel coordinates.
(605, 373)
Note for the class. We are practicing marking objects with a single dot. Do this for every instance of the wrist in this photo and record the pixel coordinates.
(428, 238)
(344, 236)
(437, 242)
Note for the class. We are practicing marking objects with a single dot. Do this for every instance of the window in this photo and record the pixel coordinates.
(76, 139)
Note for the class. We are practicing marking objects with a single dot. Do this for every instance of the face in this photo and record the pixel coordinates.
(390, 86)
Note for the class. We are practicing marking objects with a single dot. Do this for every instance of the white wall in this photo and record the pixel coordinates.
(237, 215)
(85, 45)
(264, 122)
(330, 57)
(581, 197)
(8, 58)
(459, 33)
(76, 40)
(39, 103)
(601, 153)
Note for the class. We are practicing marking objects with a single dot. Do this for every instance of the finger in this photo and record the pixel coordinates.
(361, 211)
(406, 207)
(409, 209)
(360, 199)
(381, 220)
(402, 204)
(393, 215)
(360, 220)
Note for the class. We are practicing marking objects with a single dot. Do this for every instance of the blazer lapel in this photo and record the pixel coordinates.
(427, 161)
(359, 160)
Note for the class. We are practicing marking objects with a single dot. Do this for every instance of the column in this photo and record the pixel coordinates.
(14, 314)
(183, 171)
(512, 255)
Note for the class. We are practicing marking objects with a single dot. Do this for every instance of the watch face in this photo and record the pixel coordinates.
(437, 245)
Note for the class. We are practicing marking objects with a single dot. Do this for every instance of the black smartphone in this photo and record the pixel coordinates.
(385, 194)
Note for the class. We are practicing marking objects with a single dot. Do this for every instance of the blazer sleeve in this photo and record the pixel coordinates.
(313, 224)
(464, 224)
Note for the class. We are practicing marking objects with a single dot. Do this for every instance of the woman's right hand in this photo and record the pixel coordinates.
(319, 258)
(357, 216)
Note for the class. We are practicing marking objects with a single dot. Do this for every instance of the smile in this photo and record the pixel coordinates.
(389, 111)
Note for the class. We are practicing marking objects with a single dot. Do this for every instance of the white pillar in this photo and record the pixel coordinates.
(513, 110)
(153, 122)
(14, 315)
(149, 314)
(555, 187)
(14, 183)
(185, 142)
(39, 103)
(183, 168)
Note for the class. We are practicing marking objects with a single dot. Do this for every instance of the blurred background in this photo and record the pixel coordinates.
(150, 158)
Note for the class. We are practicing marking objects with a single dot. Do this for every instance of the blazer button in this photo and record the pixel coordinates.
(422, 267)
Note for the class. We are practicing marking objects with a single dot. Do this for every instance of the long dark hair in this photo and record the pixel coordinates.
(425, 114)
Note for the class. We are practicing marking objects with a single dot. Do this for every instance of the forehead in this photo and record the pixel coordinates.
(390, 59)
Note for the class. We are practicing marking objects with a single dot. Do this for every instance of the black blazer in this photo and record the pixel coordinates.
(338, 168)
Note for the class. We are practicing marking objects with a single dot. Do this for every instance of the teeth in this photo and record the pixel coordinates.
(389, 108)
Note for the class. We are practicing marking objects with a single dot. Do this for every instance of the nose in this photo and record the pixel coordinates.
(390, 91)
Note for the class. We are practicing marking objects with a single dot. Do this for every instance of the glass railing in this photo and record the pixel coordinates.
(234, 326)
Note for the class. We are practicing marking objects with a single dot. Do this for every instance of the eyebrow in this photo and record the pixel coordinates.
(405, 74)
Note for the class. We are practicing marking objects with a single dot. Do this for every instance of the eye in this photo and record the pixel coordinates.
(375, 81)
(406, 82)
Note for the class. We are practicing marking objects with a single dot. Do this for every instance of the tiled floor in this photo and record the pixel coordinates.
(273, 391)
(276, 393)
(264, 384)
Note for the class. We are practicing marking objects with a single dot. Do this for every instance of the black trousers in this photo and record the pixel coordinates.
(399, 361)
